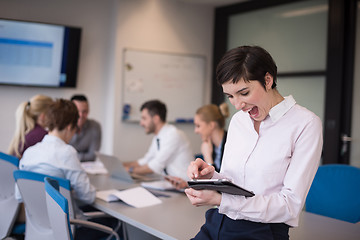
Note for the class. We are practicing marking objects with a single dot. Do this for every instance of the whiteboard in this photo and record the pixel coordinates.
(175, 79)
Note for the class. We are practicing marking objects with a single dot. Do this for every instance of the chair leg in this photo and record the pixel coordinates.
(116, 229)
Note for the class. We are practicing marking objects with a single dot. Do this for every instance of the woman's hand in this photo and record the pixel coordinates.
(203, 197)
(199, 169)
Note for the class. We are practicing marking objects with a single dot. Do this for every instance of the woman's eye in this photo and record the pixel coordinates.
(244, 94)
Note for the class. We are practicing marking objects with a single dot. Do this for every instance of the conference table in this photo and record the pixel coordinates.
(177, 218)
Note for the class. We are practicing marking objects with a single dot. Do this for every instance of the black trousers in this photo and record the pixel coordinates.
(220, 227)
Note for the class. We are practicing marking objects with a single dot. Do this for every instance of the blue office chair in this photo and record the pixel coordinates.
(58, 210)
(31, 188)
(9, 206)
(335, 192)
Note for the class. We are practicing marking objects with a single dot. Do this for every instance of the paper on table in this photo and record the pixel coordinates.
(137, 197)
(158, 185)
(94, 167)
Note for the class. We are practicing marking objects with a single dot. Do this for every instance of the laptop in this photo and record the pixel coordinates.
(117, 170)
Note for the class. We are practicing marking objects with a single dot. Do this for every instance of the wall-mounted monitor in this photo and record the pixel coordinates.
(38, 54)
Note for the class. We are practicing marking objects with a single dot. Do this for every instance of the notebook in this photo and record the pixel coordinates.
(117, 170)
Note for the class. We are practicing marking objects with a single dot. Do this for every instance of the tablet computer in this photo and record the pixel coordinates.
(220, 185)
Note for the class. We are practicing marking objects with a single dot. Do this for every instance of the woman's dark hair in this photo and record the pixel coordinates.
(250, 63)
(62, 113)
(155, 107)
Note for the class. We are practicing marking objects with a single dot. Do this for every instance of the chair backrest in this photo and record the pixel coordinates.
(31, 186)
(9, 206)
(58, 210)
(335, 192)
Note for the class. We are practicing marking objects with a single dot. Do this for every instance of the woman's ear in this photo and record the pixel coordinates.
(212, 124)
(269, 80)
(69, 127)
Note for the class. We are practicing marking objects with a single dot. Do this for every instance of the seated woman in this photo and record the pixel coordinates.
(209, 123)
(30, 124)
(54, 156)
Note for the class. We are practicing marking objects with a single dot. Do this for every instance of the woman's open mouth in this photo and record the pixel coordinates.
(253, 112)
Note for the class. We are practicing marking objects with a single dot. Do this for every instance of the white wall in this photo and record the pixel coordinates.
(93, 79)
(169, 26)
(109, 26)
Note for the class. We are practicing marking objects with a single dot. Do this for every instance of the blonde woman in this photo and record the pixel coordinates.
(209, 124)
(30, 124)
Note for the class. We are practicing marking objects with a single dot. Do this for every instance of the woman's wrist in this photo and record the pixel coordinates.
(208, 160)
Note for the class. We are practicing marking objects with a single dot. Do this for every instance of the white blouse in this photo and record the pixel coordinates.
(52, 156)
(278, 164)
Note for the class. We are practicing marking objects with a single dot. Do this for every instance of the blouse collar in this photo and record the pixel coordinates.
(280, 109)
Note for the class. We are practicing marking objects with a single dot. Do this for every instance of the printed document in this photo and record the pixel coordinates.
(137, 197)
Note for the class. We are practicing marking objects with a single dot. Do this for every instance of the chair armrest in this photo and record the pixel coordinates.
(95, 214)
(96, 226)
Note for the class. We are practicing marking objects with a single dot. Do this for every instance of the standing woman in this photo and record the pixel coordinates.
(209, 122)
(30, 124)
(273, 148)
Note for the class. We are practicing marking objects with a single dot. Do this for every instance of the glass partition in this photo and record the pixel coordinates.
(295, 34)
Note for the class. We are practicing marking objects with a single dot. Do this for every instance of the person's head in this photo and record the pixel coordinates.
(248, 77)
(27, 115)
(82, 105)
(34, 110)
(63, 115)
(209, 118)
(153, 116)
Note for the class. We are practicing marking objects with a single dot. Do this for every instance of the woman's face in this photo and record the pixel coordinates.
(251, 97)
(202, 128)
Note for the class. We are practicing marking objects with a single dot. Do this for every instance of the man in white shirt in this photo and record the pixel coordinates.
(169, 152)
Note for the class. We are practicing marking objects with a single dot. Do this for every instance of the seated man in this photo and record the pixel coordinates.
(169, 152)
(87, 139)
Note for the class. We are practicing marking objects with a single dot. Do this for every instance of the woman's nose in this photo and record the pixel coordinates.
(239, 105)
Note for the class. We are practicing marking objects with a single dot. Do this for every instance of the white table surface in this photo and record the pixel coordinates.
(176, 218)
